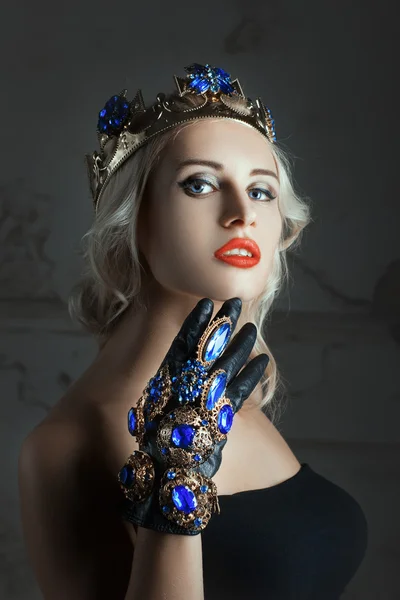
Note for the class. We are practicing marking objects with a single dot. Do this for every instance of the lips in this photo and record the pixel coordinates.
(237, 260)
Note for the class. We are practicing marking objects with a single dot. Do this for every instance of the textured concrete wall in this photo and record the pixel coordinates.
(327, 71)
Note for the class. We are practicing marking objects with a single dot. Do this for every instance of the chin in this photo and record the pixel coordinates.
(221, 293)
(247, 286)
(218, 289)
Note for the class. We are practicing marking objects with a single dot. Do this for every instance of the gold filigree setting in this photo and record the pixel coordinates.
(195, 485)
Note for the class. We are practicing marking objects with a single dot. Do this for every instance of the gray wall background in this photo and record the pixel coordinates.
(328, 71)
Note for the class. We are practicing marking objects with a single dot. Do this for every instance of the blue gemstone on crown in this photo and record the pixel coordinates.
(225, 418)
(198, 521)
(113, 116)
(171, 474)
(165, 509)
(271, 124)
(204, 77)
(197, 457)
(127, 475)
(217, 343)
(203, 488)
(131, 421)
(216, 391)
(184, 499)
(182, 436)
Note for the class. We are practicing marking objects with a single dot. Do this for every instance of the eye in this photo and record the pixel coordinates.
(196, 182)
(269, 194)
(192, 182)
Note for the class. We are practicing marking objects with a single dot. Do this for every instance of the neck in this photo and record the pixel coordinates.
(137, 346)
(142, 338)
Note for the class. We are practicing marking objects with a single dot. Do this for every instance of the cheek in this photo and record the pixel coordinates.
(271, 223)
(270, 237)
(175, 234)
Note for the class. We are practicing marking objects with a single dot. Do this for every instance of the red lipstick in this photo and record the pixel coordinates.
(243, 262)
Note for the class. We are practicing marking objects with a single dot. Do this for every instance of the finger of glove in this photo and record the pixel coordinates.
(181, 349)
(237, 352)
(190, 333)
(244, 384)
(186, 342)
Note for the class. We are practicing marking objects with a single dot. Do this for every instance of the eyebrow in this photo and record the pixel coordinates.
(219, 167)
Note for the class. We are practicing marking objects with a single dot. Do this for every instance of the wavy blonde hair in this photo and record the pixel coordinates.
(112, 278)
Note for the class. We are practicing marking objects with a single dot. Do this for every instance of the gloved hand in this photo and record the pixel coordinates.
(182, 420)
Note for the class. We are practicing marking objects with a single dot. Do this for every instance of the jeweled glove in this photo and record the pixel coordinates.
(182, 420)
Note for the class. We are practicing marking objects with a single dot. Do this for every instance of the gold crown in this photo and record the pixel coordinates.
(125, 126)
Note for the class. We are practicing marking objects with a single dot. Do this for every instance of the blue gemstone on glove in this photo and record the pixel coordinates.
(217, 343)
(184, 499)
(155, 389)
(217, 389)
(190, 382)
(225, 418)
(182, 436)
(127, 475)
(131, 421)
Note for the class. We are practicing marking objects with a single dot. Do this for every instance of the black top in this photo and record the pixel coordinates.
(302, 539)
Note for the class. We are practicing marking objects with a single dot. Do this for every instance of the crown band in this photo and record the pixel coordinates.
(125, 126)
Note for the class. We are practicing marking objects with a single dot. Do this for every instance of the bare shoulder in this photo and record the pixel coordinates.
(58, 444)
(84, 441)
(50, 447)
(69, 507)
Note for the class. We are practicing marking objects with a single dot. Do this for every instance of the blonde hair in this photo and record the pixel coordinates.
(112, 276)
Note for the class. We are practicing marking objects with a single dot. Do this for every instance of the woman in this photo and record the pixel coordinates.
(102, 511)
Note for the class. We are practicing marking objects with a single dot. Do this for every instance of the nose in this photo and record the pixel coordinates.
(237, 209)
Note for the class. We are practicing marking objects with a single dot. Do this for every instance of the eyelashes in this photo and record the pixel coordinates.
(199, 181)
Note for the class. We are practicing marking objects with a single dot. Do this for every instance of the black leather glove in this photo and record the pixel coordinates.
(182, 420)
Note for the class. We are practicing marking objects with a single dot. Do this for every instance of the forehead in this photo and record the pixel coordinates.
(230, 142)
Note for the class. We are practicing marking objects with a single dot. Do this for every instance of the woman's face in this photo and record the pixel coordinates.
(191, 211)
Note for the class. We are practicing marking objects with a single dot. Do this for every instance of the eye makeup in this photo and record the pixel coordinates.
(201, 180)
